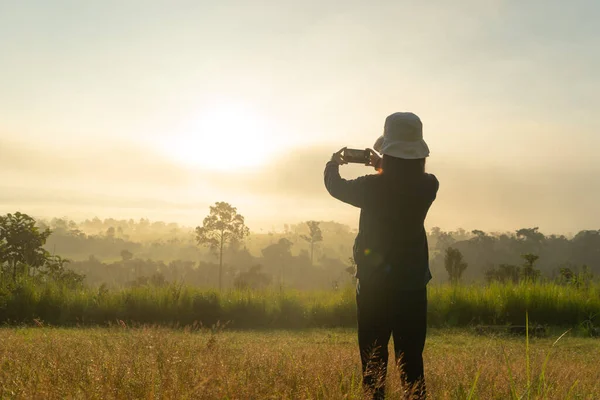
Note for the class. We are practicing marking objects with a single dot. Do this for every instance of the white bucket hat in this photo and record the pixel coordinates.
(402, 137)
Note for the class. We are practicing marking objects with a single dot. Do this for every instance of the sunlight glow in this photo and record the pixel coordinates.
(224, 137)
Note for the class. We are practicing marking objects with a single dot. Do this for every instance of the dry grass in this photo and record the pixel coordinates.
(153, 363)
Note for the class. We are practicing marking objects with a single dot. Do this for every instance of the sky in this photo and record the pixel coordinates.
(158, 109)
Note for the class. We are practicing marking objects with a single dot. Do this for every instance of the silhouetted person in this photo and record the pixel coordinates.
(391, 251)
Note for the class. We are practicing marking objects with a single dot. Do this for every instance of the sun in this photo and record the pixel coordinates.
(224, 137)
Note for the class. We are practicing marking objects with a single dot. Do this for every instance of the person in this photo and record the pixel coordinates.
(391, 251)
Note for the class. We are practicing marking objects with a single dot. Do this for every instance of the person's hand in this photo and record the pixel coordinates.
(339, 157)
(374, 159)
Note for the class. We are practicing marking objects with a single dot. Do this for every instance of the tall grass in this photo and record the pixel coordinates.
(449, 306)
(157, 362)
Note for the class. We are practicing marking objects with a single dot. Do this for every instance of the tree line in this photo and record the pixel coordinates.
(223, 252)
(23, 253)
(526, 254)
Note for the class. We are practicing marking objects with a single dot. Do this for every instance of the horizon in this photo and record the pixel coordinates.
(156, 110)
(280, 230)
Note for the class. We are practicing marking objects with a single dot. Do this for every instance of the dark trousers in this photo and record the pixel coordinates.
(384, 311)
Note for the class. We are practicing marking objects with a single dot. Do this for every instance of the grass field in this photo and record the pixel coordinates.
(154, 362)
(449, 306)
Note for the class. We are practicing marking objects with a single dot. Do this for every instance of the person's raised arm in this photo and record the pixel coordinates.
(349, 191)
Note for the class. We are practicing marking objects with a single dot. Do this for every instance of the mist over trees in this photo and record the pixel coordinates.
(522, 252)
(142, 252)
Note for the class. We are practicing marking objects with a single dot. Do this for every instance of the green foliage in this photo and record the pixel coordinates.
(55, 270)
(22, 253)
(21, 244)
(454, 264)
(570, 277)
(449, 305)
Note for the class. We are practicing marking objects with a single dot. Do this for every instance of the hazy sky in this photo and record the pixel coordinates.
(159, 108)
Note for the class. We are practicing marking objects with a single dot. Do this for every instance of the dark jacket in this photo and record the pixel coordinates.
(391, 238)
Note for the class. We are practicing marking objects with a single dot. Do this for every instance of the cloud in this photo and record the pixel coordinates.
(118, 164)
(557, 198)
(127, 181)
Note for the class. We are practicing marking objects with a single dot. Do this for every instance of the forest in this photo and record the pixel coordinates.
(127, 252)
(64, 272)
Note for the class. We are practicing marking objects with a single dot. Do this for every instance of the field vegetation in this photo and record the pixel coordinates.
(281, 324)
(152, 362)
(449, 306)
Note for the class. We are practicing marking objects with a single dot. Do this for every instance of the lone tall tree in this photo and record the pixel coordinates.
(222, 226)
(315, 236)
(453, 261)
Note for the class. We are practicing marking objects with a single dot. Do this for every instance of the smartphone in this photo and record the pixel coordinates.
(356, 156)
